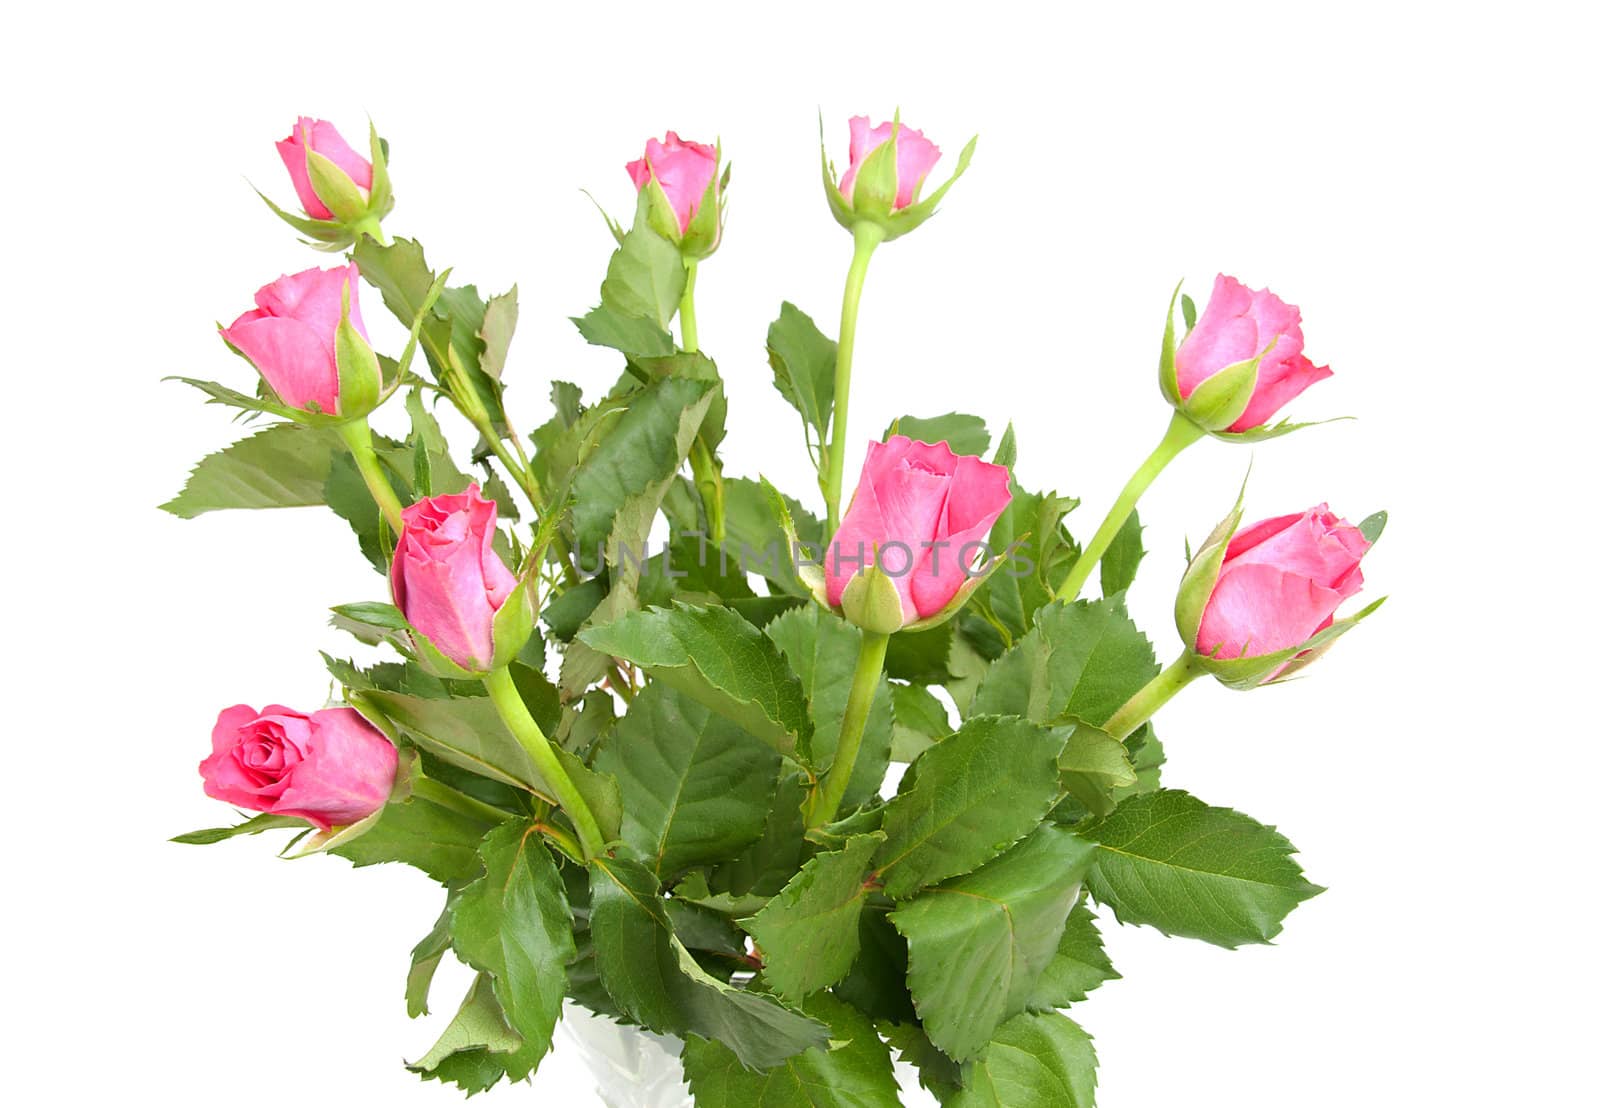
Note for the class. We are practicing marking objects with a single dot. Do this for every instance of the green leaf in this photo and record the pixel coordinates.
(1080, 964)
(499, 324)
(644, 278)
(876, 983)
(1168, 860)
(464, 731)
(1042, 550)
(283, 466)
(656, 982)
(696, 787)
(976, 793)
(743, 886)
(1037, 1060)
(425, 959)
(1082, 660)
(1093, 765)
(802, 360)
(643, 448)
(979, 943)
(919, 722)
(1121, 559)
(935, 1071)
(718, 659)
(853, 1071)
(252, 826)
(966, 434)
(921, 656)
(810, 932)
(643, 337)
(439, 840)
(823, 650)
(474, 1049)
(513, 924)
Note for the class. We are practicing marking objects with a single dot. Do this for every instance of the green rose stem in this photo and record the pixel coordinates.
(867, 237)
(1181, 432)
(358, 437)
(508, 702)
(1149, 700)
(702, 459)
(691, 330)
(824, 805)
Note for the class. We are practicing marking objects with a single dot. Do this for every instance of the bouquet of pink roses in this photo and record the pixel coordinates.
(660, 781)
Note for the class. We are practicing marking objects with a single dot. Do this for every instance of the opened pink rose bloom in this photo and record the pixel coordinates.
(684, 170)
(289, 337)
(322, 137)
(446, 577)
(331, 767)
(1238, 324)
(921, 514)
(1281, 582)
(915, 157)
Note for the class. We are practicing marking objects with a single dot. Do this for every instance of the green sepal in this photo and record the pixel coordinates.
(432, 659)
(333, 186)
(1200, 578)
(1264, 669)
(380, 198)
(266, 821)
(1277, 430)
(913, 216)
(1218, 401)
(830, 182)
(657, 210)
(322, 234)
(872, 602)
(1168, 372)
(514, 624)
(360, 375)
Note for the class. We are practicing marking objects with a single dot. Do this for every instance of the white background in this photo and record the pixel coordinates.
(1420, 179)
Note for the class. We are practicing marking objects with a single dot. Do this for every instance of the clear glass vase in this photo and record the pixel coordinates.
(635, 1068)
(632, 1067)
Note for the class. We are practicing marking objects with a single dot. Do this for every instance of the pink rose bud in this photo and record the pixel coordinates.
(1280, 583)
(1240, 324)
(322, 137)
(684, 170)
(291, 336)
(914, 158)
(448, 581)
(920, 514)
(331, 767)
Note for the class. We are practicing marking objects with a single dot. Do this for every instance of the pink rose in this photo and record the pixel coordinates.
(1280, 583)
(447, 579)
(289, 338)
(921, 514)
(914, 157)
(1237, 325)
(323, 138)
(331, 767)
(684, 171)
